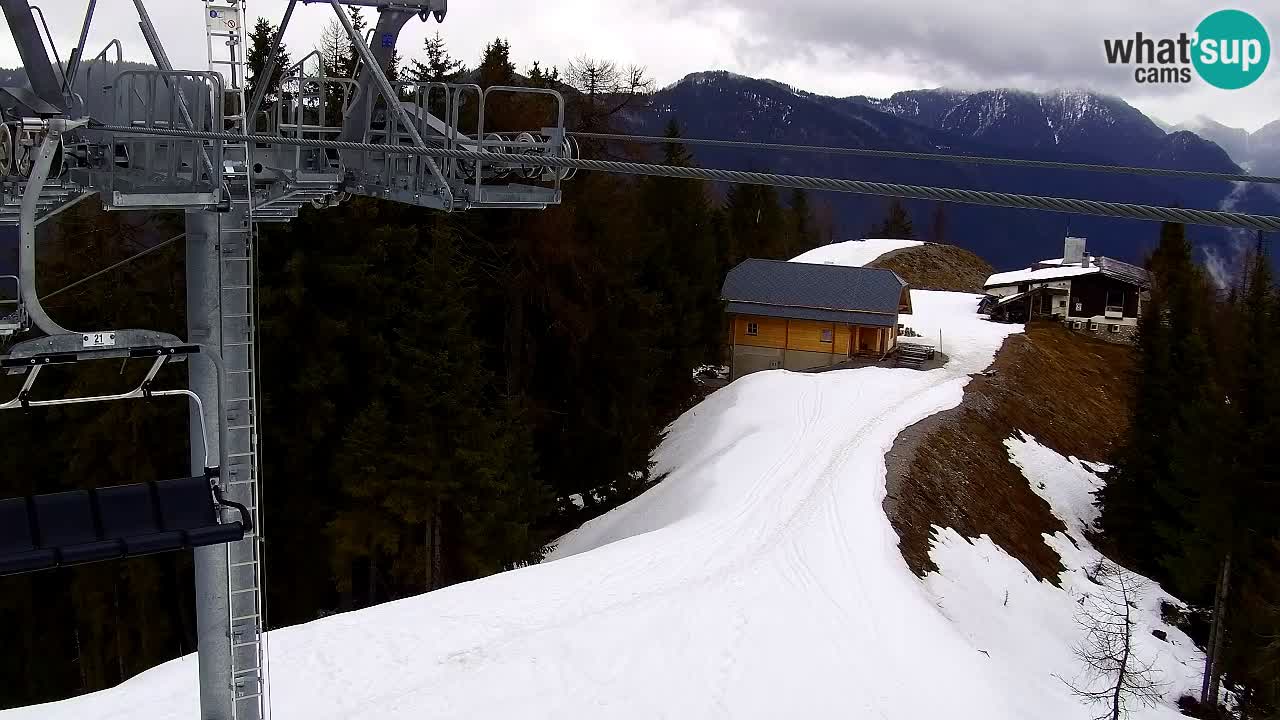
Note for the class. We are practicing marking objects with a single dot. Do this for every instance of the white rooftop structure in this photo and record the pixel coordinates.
(1048, 274)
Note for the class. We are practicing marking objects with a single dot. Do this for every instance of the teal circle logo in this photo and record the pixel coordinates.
(1231, 49)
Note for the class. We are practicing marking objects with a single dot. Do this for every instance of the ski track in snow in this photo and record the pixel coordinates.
(759, 579)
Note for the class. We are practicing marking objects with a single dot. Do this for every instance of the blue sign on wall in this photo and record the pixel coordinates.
(388, 41)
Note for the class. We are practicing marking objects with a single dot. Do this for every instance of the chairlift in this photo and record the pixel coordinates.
(42, 532)
(13, 317)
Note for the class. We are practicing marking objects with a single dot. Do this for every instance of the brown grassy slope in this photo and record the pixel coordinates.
(952, 470)
(937, 267)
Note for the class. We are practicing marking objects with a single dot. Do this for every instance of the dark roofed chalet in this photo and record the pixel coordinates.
(799, 316)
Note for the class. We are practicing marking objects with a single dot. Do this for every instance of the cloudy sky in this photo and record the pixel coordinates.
(836, 47)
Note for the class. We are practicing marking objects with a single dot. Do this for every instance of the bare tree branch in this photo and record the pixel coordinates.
(1113, 675)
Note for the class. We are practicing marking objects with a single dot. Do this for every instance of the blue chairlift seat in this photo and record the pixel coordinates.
(81, 526)
(18, 551)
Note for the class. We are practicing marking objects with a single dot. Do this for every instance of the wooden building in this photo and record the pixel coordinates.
(800, 316)
(1096, 295)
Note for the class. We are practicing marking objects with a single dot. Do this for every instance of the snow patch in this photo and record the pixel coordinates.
(1027, 628)
(854, 252)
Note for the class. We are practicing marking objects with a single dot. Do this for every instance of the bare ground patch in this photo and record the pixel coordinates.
(937, 267)
(952, 469)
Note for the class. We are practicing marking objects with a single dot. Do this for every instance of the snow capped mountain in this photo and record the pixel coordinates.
(1067, 125)
(1234, 140)
(1257, 152)
(1076, 120)
(1264, 145)
(923, 106)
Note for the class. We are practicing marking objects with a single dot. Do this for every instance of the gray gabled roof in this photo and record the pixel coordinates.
(1124, 272)
(836, 292)
(798, 313)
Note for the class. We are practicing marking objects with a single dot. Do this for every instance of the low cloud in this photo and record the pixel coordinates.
(1035, 45)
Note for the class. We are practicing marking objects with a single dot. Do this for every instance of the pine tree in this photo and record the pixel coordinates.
(1192, 500)
(802, 233)
(897, 223)
(938, 225)
(681, 268)
(1245, 524)
(754, 223)
(496, 67)
(540, 78)
(351, 56)
(440, 66)
(1151, 488)
(393, 66)
(259, 52)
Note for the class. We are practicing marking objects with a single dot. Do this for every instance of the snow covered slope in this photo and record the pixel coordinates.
(853, 252)
(1029, 628)
(759, 579)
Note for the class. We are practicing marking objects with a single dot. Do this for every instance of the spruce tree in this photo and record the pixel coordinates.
(259, 52)
(938, 225)
(439, 65)
(1192, 500)
(802, 232)
(896, 224)
(351, 57)
(682, 269)
(1251, 502)
(496, 67)
(755, 224)
(543, 78)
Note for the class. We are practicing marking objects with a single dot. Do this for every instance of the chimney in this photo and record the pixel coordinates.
(1086, 260)
(1073, 251)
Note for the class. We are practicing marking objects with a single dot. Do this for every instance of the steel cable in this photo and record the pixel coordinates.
(940, 157)
(1218, 218)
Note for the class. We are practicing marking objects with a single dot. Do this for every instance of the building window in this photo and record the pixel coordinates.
(1115, 328)
(1093, 327)
(1075, 325)
(753, 329)
(828, 336)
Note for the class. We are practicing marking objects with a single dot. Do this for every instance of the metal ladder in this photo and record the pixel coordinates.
(227, 43)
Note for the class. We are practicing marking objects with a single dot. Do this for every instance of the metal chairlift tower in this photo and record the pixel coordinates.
(52, 156)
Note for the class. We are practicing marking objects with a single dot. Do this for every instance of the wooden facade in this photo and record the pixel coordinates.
(811, 336)
(1102, 296)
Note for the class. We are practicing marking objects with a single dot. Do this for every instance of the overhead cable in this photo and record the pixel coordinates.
(1219, 218)
(940, 157)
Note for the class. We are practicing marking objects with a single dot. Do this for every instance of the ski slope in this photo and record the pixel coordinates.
(759, 579)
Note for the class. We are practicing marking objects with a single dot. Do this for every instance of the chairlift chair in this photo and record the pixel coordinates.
(42, 532)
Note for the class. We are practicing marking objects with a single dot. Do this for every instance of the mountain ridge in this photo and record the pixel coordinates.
(1070, 126)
